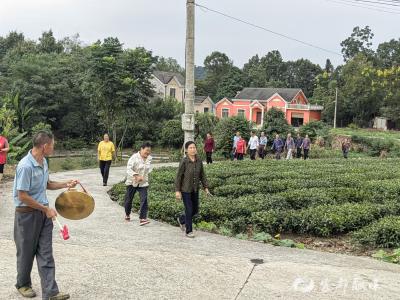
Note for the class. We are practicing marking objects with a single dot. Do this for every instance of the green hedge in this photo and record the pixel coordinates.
(317, 197)
(382, 233)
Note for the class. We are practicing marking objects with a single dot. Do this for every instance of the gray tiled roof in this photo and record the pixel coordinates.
(266, 93)
(165, 77)
(199, 99)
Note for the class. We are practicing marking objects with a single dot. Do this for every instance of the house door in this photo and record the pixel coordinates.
(258, 118)
(297, 120)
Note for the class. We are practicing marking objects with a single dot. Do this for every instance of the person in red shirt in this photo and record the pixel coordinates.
(241, 148)
(4, 148)
(209, 147)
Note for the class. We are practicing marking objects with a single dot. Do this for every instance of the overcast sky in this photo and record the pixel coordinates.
(159, 25)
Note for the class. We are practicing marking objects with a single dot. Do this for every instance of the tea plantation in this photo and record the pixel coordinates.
(318, 197)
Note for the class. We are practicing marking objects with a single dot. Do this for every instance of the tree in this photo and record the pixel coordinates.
(230, 84)
(23, 110)
(389, 81)
(358, 42)
(226, 129)
(315, 129)
(361, 101)
(252, 73)
(388, 54)
(302, 74)
(329, 67)
(117, 82)
(217, 65)
(205, 123)
(169, 65)
(12, 40)
(48, 44)
(172, 134)
(275, 123)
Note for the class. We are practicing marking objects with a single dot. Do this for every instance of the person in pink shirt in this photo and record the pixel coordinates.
(241, 148)
(4, 148)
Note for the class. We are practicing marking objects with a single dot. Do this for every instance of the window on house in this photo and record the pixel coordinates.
(225, 113)
(241, 113)
(206, 110)
(258, 117)
(172, 92)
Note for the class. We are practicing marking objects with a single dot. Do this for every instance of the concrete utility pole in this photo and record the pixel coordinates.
(188, 116)
(334, 116)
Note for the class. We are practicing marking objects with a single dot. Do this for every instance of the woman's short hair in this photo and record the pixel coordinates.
(145, 145)
(187, 144)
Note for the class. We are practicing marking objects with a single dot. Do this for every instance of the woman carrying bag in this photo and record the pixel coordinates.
(190, 174)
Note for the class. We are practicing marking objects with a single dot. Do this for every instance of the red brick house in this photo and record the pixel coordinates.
(253, 103)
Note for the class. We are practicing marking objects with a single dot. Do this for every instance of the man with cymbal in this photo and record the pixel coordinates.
(33, 225)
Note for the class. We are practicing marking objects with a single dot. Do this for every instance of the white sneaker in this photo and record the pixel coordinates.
(190, 235)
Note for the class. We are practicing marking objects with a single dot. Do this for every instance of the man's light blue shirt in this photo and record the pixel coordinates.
(235, 140)
(32, 178)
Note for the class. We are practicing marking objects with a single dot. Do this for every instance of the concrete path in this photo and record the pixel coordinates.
(107, 258)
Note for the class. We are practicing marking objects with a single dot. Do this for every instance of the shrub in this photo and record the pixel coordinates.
(88, 159)
(326, 220)
(317, 197)
(73, 144)
(67, 164)
(382, 233)
(172, 134)
(315, 129)
(227, 128)
(275, 123)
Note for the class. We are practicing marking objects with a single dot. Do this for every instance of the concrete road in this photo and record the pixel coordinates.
(107, 258)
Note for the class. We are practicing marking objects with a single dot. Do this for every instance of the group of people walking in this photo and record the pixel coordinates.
(33, 226)
(190, 175)
(298, 147)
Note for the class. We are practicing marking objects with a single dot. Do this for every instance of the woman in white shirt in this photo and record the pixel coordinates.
(253, 145)
(138, 169)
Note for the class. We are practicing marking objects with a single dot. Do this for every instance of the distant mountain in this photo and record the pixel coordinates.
(199, 72)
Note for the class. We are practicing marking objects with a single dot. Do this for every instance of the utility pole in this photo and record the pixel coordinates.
(188, 116)
(334, 116)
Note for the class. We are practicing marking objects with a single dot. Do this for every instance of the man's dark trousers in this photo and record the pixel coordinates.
(33, 234)
(298, 153)
(253, 153)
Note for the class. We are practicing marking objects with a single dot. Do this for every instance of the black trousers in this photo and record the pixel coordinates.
(278, 154)
(306, 153)
(261, 151)
(239, 156)
(253, 154)
(33, 236)
(130, 193)
(105, 169)
(191, 203)
(209, 157)
(298, 154)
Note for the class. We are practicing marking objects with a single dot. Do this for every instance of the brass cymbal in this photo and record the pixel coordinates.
(74, 205)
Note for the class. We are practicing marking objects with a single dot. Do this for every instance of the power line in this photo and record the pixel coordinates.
(380, 3)
(372, 5)
(268, 30)
(366, 6)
